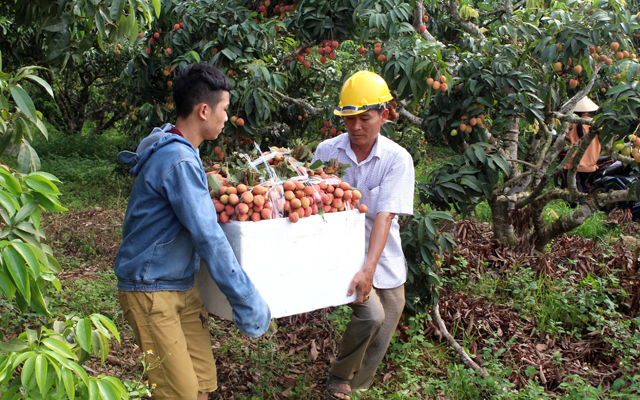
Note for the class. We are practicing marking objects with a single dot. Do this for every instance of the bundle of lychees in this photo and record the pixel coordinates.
(276, 185)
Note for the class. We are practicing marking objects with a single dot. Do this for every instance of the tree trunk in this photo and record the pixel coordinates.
(502, 228)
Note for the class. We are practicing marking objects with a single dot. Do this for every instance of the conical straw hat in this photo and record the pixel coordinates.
(586, 105)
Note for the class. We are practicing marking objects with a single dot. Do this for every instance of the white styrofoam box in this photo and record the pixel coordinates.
(297, 267)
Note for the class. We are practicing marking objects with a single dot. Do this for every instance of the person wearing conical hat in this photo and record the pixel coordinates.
(383, 172)
(589, 161)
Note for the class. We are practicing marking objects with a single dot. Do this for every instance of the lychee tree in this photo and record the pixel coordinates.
(82, 48)
(495, 80)
(515, 90)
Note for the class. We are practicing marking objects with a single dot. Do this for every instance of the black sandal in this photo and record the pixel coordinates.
(333, 387)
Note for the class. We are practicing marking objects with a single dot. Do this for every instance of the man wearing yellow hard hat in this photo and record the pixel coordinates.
(383, 172)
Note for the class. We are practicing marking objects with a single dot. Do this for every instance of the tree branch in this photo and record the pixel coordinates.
(508, 7)
(617, 156)
(492, 141)
(417, 21)
(522, 162)
(548, 138)
(570, 221)
(512, 181)
(410, 117)
(540, 178)
(461, 352)
(300, 103)
(470, 27)
(573, 120)
(116, 117)
(545, 179)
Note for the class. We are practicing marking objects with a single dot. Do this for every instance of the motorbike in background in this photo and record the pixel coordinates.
(610, 175)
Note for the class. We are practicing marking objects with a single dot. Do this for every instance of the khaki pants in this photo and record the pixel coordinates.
(367, 336)
(173, 325)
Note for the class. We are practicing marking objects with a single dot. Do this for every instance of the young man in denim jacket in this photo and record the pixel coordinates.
(170, 224)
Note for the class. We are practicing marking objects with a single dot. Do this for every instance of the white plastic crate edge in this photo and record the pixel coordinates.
(297, 267)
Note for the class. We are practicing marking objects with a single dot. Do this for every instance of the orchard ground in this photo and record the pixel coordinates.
(563, 324)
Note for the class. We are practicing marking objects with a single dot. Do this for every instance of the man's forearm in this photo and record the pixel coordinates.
(378, 239)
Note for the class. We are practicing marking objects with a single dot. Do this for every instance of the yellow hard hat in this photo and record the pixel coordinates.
(364, 90)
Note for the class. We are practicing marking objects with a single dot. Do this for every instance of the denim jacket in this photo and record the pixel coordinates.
(171, 222)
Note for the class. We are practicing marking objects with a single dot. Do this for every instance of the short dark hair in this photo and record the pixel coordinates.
(198, 83)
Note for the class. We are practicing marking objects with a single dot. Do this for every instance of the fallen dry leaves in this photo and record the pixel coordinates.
(554, 357)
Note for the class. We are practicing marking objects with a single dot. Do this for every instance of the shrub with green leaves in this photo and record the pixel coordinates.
(47, 362)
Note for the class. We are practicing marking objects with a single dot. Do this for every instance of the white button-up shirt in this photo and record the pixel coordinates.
(386, 179)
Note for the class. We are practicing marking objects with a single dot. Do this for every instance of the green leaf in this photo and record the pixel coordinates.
(482, 156)
(29, 256)
(18, 271)
(502, 163)
(40, 255)
(37, 302)
(25, 212)
(24, 102)
(194, 55)
(48, 202)
(229, 54)
(41, 371)
(116, 9)
(41, 82)
(56, 25)
(5, 140)
(27, 370)
(108, 324)
(53, 264)
(133, 34)
(69, 386)
(214, 182)
(10, 182)
(440, 215)
(530, 370)
(21, 357)
(43, 129)
(83, 334)
(157, 6)
(41, 184)
(66, 363)
(8, 203)
(29, 228)
(108, 391)
(32, 335)
(59, 347)
(118, 385)
(27, 160)
(94, 390)
(13, 345)
(8, 289)
(618, 89)
(45, 175)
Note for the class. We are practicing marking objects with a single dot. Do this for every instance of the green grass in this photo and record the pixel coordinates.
(88, 168)
(91, 294)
